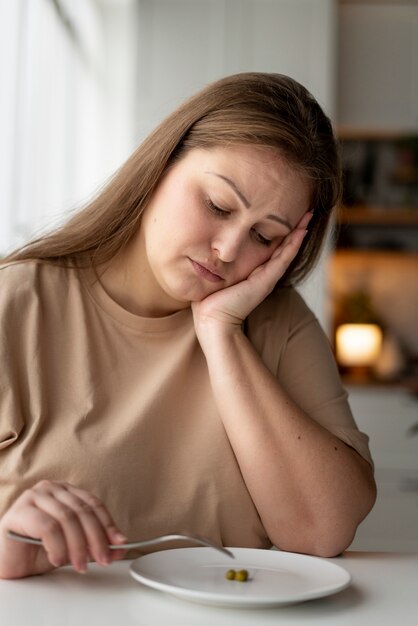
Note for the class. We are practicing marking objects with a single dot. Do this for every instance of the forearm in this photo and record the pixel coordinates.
(310, 489)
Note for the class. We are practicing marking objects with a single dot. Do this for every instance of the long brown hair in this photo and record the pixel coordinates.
(263, 109)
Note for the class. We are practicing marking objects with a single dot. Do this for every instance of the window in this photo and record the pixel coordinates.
(52, 112)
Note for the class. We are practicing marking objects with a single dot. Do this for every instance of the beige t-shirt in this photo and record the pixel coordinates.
(122, 405)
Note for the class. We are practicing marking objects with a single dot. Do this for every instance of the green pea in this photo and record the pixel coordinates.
(242, 575)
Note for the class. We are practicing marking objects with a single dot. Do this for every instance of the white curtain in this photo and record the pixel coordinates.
(52, 114)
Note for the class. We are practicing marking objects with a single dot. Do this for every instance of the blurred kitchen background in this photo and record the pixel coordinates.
(84, 81)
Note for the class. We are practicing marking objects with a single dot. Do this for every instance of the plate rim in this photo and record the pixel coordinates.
(228, 600)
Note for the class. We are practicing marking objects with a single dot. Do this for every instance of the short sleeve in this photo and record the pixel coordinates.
(295, 348)
(15, 315)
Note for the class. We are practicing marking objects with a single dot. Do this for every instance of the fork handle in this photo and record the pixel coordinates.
(136, 544)
(23, 538)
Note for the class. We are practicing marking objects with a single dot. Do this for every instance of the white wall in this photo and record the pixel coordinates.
(184, 44)
(378, 63)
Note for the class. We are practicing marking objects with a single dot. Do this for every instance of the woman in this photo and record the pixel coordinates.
(161, 372)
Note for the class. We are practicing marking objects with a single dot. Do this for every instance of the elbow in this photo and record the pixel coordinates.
(329, 536)
(318, 544)
(336, 537)
(331, 546)
(324, 543)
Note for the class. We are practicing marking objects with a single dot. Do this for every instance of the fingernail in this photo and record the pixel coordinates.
(120, 537)
(104, 559)
(81, 568)
(310, 216)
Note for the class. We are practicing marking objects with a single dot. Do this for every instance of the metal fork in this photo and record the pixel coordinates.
(203, 541)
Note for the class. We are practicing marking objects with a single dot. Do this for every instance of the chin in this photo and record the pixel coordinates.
(187, 296)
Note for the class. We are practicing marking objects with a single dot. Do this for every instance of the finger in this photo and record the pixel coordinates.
(83, 531)
(290, 246)
(276, 266)
(88, 511)
(304, 221)
(97, 525)
(35, 522)
(64, 518)
(291, 243)
(113, 534)
(284, 254)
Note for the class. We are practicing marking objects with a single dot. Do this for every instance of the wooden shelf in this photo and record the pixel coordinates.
(408, 384)
(378, 216)
(358, 257)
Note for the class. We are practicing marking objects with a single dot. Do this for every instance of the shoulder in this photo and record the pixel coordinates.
(27, 282)
(18, 272)
(284, 308)
(270, 326)
(18, 281)
(33, 272)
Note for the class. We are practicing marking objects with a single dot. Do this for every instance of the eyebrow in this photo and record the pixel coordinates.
(233, 186)
(281, 220)
(247, 203)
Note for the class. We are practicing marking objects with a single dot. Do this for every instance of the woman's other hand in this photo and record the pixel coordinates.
(228, 307)
(74, 527)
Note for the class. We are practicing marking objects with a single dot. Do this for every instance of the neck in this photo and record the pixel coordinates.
(127, 282)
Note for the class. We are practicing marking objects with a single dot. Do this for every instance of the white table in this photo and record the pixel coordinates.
(384, 591)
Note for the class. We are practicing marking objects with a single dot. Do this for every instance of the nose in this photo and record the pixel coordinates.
(227, 243)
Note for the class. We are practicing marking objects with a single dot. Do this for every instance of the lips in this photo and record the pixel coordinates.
(206, 272)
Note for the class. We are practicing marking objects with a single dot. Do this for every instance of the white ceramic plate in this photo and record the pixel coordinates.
(275, 578)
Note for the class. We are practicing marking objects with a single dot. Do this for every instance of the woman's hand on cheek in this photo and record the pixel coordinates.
(227, 308)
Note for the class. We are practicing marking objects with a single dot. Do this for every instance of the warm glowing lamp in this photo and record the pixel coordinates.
(358, 345)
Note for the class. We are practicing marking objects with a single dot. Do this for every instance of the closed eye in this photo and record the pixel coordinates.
(216, 209)
(225, 213)
(259, 237)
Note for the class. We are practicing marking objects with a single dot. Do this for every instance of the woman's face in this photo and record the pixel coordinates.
(215, 216)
